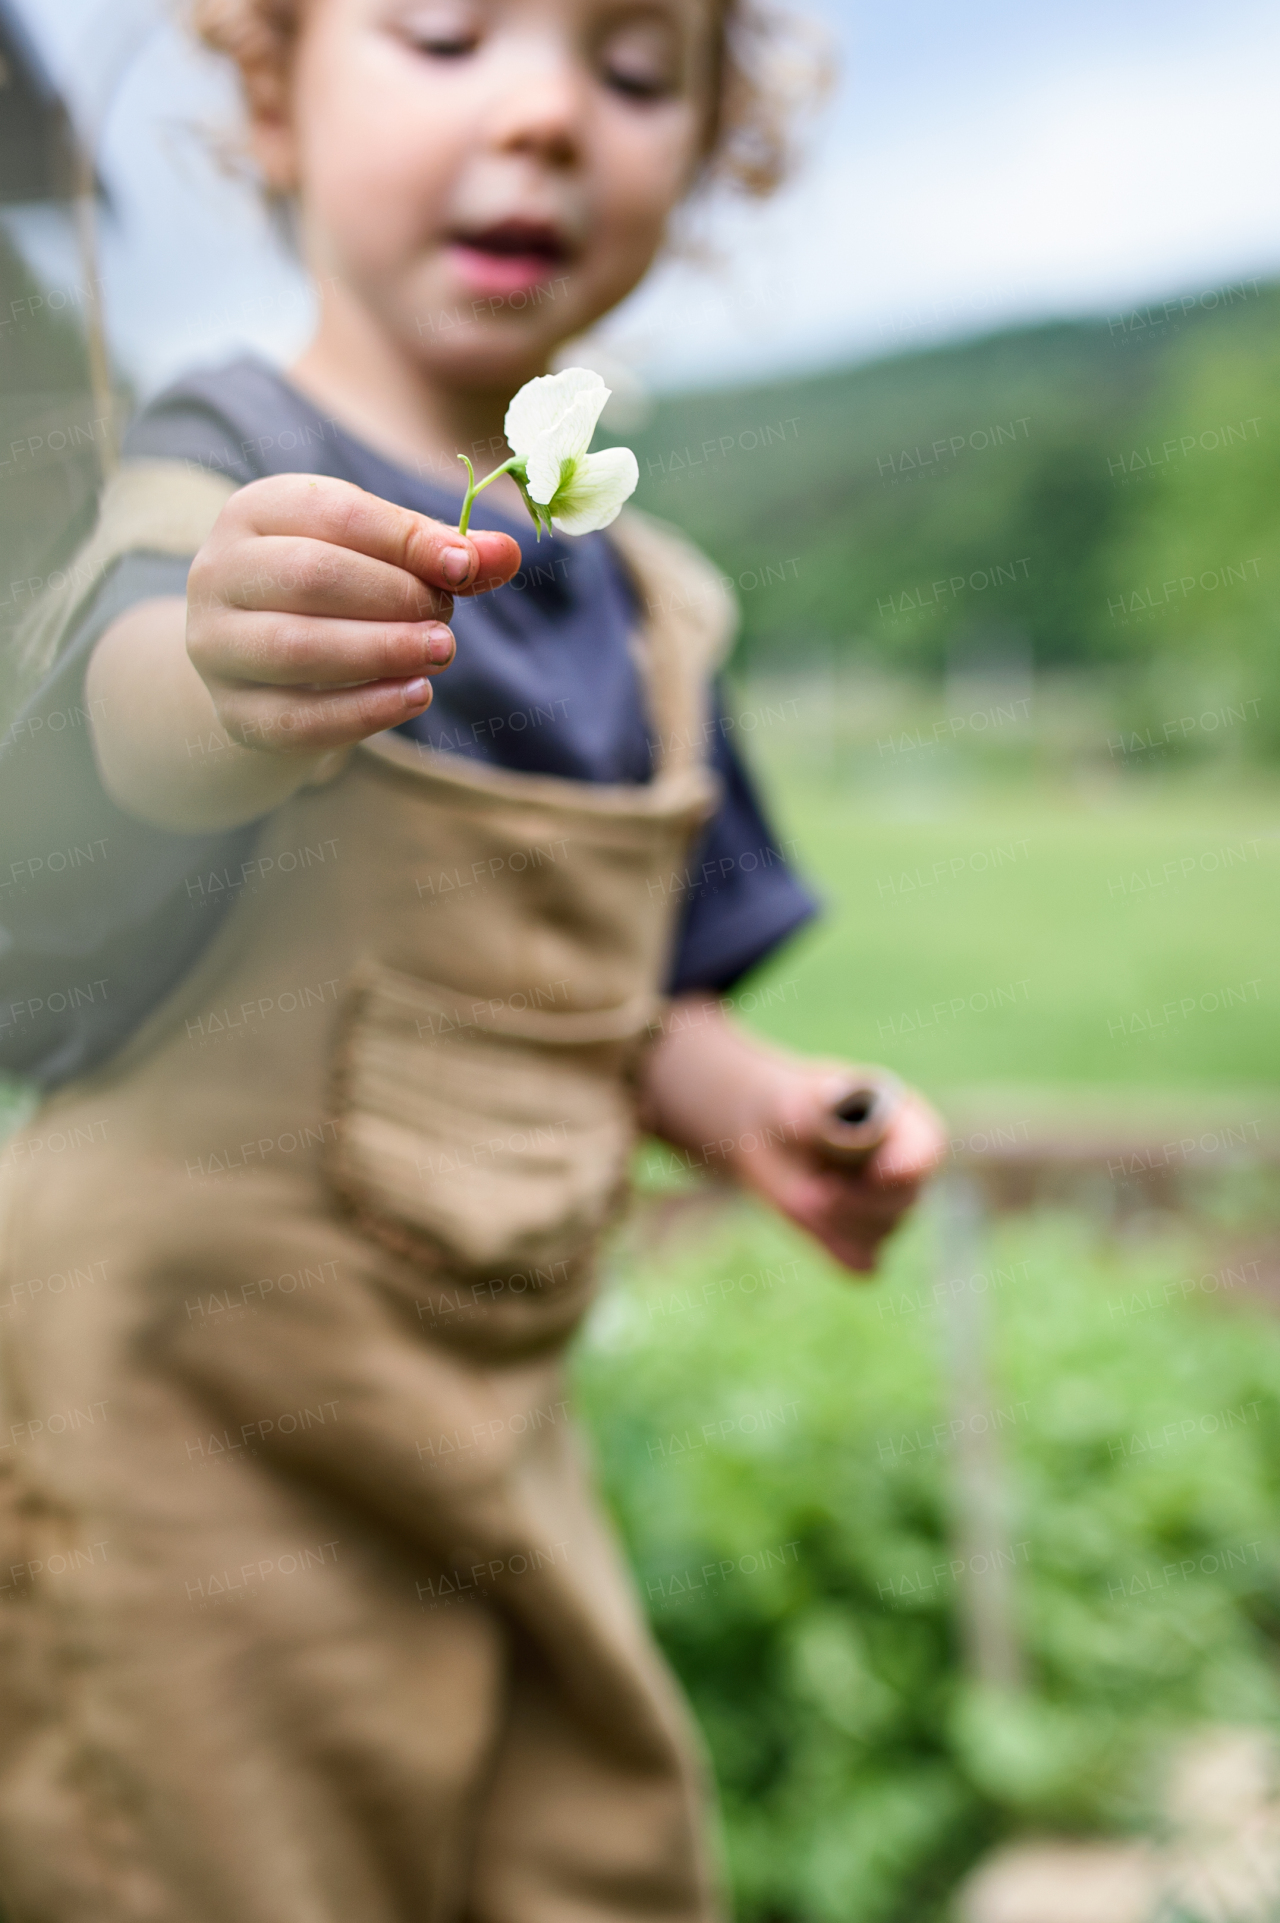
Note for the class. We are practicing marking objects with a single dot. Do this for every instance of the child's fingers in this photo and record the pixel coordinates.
(860, 1256)
(913, 1148)
(852, 1198)
(295, 574)
(306, 721)
(500, 558)
(285, 650)
(348, 517)
(854, 1232)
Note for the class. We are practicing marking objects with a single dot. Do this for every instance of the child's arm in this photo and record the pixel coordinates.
(755, 1111)
(314, 614)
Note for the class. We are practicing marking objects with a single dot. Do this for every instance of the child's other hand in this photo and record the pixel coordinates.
(738, 1104)
(850, 1211)
(316, 611)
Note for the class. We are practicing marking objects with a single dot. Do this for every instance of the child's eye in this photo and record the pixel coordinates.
(640, 62)
(636, 84)
(446, 49)
(446, 33)
(444, 46)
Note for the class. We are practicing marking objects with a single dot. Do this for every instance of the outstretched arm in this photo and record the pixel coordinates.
(315, 615)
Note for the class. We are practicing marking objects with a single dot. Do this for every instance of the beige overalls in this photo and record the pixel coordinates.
(310, 1613)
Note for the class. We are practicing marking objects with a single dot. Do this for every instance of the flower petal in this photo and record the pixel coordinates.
(545, 471)
(553, 454)
(541, 403)
(595, 490)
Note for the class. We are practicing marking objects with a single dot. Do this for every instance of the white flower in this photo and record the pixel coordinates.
(549, 424)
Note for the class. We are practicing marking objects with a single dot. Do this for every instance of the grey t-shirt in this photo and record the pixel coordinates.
(101, 914)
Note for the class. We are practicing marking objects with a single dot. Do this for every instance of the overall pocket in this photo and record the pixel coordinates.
(492, 1134)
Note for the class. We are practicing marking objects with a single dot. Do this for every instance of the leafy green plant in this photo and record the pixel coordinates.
(776, 1446)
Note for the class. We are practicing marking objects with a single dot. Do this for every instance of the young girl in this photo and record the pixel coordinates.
(347, 1005)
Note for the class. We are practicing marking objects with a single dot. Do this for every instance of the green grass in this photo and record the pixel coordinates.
(1078, 903)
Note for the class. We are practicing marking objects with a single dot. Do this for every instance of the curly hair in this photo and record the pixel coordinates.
(766, 66)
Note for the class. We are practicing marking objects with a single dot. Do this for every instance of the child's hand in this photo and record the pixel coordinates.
(758, 1114)
(850, 1211)
(316, 611)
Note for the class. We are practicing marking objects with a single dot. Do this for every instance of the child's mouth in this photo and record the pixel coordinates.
(510, 257)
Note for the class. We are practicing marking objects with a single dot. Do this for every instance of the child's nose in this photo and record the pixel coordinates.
(541, 111)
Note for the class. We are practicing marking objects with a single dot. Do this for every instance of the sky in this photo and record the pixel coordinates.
(975, 165)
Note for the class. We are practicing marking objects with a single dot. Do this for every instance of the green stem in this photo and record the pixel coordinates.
(475, 487)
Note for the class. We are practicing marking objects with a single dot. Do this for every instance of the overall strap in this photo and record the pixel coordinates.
(148, 506)
(688, 624)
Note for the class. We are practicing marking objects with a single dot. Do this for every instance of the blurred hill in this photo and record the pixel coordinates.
(1028, 494)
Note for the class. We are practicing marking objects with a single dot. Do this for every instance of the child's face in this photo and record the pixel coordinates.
(487, 177)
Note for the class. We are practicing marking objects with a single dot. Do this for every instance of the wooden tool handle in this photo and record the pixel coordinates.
(858, 1120)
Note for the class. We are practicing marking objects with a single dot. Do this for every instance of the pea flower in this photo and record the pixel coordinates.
(549, 424)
